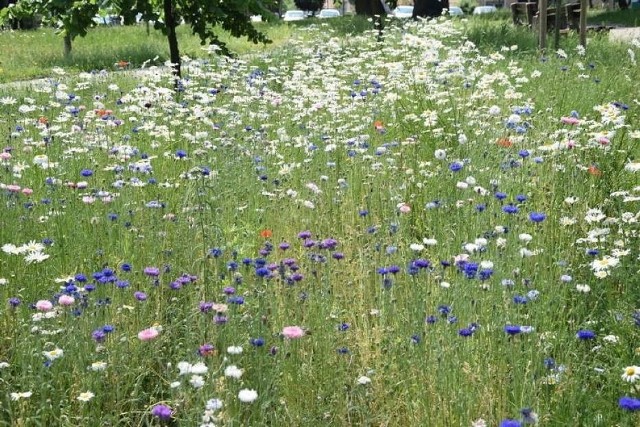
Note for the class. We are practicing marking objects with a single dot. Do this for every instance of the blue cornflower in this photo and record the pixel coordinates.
(512, 329)
(238, 300)
(393, 269)
(510, 209)
(14, 302)
(431, 319)
(215, 252)
(549, 363)
(181, 154)
(465, 332)
(500, 195)
(521, 198)
(508, 422)
(444, 309)
(485, 274)
(456, 166)
(122, 284)
(537, 216)
(585, 334)
(262, 272)
(257, 342)
(415, 339)
(629, 404)
(125, 267)
(343, 326)
(519, 299)
(86, 172)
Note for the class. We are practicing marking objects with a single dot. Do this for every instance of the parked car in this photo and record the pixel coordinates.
(293, 15)
(481, 10)
(455, 11)
(403, 12)
(107, 20)
(329, 13)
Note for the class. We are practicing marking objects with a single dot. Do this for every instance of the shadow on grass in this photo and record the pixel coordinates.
(623, 18)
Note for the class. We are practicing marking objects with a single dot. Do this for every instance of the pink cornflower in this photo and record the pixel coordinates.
(44, 305)
(27, 191)
(66, 300)
(404, 208)
(570, 120)
(148, 334)
(12, 188)
(292, 332)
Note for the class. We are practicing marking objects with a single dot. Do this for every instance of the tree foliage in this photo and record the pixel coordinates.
(373, 7)
(310, 5)
(429, 8)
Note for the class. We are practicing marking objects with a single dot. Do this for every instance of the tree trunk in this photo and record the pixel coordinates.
(369, 7)
(583, 23)
(170, 22)
(67, 45)
(542, 17)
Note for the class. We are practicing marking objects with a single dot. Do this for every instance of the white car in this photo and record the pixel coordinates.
(293, 15)
(329, 13)
(455, 11)
(481, 10)
(403, 12)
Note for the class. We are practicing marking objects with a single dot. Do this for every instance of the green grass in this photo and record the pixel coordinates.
(351, 138)
(32, 54)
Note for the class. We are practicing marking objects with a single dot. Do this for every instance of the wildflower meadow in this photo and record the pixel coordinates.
(397, 230)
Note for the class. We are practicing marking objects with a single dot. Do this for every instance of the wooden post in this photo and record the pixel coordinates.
(583, 23)
(542, 22)
(556, 30)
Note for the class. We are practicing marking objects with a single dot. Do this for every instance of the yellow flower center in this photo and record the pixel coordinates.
(630, 371)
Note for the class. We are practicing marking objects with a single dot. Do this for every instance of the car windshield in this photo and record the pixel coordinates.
(295, 13)
(329, 13)
(405, 9)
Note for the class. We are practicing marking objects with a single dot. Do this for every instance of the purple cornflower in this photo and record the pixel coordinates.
(162, 412)
(152, 271)
(140, 296)
(510, 423)
(304, 235)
